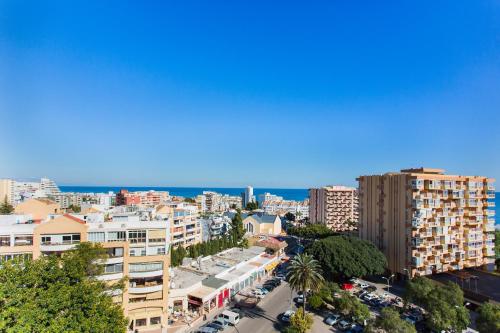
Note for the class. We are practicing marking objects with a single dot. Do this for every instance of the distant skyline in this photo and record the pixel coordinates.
(228, 94)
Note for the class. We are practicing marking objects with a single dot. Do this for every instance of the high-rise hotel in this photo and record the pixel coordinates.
(427, 222)
(334, 206)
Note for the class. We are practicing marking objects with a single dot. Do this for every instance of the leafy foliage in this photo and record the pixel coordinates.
(58, 294)
(347, 256)
(444, 304)
(488, 319)
(189, 200)
(390, 321)
(252, 205)
(75, 208)
(350, 305)
(213, 246)
(301, 321)
(311, 231)
(304, 274)
(315, 301)
(6, 207)
(289, 216)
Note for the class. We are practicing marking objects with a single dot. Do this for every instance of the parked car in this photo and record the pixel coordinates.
(300, 299)
(344, 325)
(214, 326)
(286, 317)
(281, 276)
(363, 285)
(269, 287)
(356, 328)
(257, 292)
(206, 329)
(371, 289)
(219, 323)
(332, 319)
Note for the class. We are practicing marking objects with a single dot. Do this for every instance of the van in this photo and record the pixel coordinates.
(232, 318)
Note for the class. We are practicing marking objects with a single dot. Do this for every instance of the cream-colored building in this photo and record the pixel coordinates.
(427, 222)
(334, 206)
(185, 227)
(138, 250)
(39, 208)
(260, 223)
(7, 190)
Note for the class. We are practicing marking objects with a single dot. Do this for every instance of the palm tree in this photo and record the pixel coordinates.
(304, 274)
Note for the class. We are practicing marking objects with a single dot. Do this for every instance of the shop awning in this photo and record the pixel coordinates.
(271, 266)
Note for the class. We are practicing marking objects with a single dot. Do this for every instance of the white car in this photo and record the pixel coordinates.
(259, 293)
(300, 299)
(286, 317)
(363, 285)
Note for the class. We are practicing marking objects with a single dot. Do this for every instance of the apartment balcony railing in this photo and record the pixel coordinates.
(145, 289)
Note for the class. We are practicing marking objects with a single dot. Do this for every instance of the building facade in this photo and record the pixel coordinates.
(425, 221)
(145, 198)
(334, 206)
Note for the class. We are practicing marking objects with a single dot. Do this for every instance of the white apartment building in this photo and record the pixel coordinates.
(334, 206)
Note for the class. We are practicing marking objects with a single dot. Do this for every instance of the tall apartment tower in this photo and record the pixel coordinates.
(427, 222)
(334, 206)
(248, 196)
(7, 190)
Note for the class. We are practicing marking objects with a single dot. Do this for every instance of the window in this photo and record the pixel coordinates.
(46, 240)
(22, 256)
(71, 239)
(4, 240)
(137, 236)
(116, 236)
(113, 268)
(157, 240)
(137, 251)
(146, 267)
(23, 240)
(155, 321)
(140, 322)
(160, 250)
(115, 252)
(96, 237)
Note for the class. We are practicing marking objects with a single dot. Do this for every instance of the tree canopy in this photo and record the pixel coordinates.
(488, 319)
(289, 216)
(6, 207)
(301, 321)
(350, 305)
(390, 321)
(311, 231)
(348, 256)
(304, 274)
(252, 205)
(444, 304)
(58, 294)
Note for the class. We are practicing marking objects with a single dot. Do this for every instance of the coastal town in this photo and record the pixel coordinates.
(216, 262)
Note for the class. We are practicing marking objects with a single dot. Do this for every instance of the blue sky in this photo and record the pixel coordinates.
(230, 93)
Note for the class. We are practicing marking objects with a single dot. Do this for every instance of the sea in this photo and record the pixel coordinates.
(297, 194)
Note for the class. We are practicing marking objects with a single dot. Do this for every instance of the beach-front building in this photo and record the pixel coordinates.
(426, 221)
(138, 250)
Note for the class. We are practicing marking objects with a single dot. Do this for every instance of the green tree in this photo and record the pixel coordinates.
(311, 231)
(348, 256)
(390, 321)
(289, 216)
(6, 207)
(350, 305)
(252, 205)
(237, 228)
(189, 200)
(75, 208)
(301, 321)
(315, 301)
(58, 294)
(488, 319)
(304, 273)
(443, 303)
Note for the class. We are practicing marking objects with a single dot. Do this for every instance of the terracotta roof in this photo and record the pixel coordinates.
(76, 219)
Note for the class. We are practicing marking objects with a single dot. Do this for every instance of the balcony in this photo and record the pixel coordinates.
(146, 274)
(145, 289)
(110, 277)
(57, 247)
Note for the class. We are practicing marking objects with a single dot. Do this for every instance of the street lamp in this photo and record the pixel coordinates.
(388, 279)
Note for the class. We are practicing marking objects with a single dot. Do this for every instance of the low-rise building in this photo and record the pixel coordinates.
(39, 208)
(146, 198)
(259, 223)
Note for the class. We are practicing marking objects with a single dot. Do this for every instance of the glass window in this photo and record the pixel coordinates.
(137, 236)
(46, 240)
(146, 267)
(113, 268)
(23, 240)
(155, 320)
(140, 322)
(116, 236)
(160, 250)
(5, 240)
(96, 237)
(115, 252)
